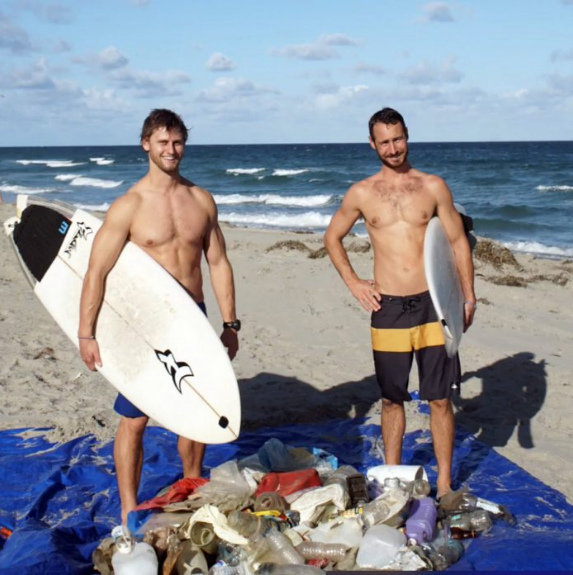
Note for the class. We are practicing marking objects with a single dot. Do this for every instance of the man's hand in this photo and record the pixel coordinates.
(469, 311)
(365, 293)
(230, 341)
(89, 352)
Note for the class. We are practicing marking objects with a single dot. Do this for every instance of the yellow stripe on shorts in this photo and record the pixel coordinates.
(406, 340)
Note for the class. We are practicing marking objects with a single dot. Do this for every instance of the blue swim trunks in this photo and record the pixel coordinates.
(124, 407)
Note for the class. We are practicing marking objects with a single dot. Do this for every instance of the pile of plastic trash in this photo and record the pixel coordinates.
(289, 510)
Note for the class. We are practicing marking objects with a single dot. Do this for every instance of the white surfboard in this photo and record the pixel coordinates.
(158, 349)
(444, 283)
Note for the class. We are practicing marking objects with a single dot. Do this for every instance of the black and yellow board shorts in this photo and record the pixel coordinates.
(408, 326)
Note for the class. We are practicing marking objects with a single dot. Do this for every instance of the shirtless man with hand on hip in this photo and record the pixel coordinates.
(175, 222)
(397, 203)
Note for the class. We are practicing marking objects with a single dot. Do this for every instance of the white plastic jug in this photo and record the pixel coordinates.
(379, 547)
(141, 561)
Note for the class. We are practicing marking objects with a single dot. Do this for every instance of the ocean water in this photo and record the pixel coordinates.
(518, 193)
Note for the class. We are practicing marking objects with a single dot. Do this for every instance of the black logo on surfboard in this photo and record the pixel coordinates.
(82, 233)
(178, 370)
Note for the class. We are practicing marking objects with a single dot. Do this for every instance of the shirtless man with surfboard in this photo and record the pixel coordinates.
(397, 203)
(175, 222)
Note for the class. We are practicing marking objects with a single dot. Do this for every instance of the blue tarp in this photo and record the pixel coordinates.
(62, 500)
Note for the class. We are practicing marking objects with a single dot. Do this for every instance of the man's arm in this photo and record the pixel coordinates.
(337, 230)
(107, 246)
(222, 280)
(453, 225)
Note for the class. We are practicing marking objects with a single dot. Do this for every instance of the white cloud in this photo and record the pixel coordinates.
(227, 89)
(147, 84)
(369, 69)
(336, 98)
(36, 77)
(103, 100)
(12, 38)
(52, 12)
(321, 49)
(218, 62)
(438, 12)
(424, 73)
(111, 58)
(61, 46)
(561, 85)
(562, 55)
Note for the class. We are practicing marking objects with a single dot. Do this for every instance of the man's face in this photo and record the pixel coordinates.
(391, 144)
(165, 149)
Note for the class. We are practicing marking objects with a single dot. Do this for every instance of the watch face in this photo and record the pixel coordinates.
(236, 325)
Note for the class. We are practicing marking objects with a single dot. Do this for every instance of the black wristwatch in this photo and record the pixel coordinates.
(236, 325)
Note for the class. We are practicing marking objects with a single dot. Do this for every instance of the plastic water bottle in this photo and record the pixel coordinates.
(478, 520)
(142, 560)
(446, 555)
(421, 523)
(246, 524)
(375, 512)
(334, 552)
(281, 545)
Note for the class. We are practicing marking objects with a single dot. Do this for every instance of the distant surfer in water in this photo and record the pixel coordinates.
(397, 203)
(175, 222)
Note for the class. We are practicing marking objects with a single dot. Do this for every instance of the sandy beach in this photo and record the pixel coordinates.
(305, 352)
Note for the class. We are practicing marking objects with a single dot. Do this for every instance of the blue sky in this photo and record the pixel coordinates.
(269, 71)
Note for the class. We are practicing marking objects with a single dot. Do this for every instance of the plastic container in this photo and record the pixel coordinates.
(421, 523)
(379, 547)
(141, 561)
(280, 544)
(334, 552)
(375, 512)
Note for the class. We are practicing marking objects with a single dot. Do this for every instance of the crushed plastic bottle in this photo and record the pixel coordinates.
(280, 544)
(375, 512)
(334, 552)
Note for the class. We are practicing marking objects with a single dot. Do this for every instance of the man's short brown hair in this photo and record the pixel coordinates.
(162, 118)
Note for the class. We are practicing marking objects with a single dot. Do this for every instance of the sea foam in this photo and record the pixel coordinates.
(244, 171)
(554, 188)
(274, 199)
(277, 219)
(67, 177)
(102, 161)
(94, 207)
(52, 163)
(8, 189)
(95, 182)
(286, 173)
(539, 249)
